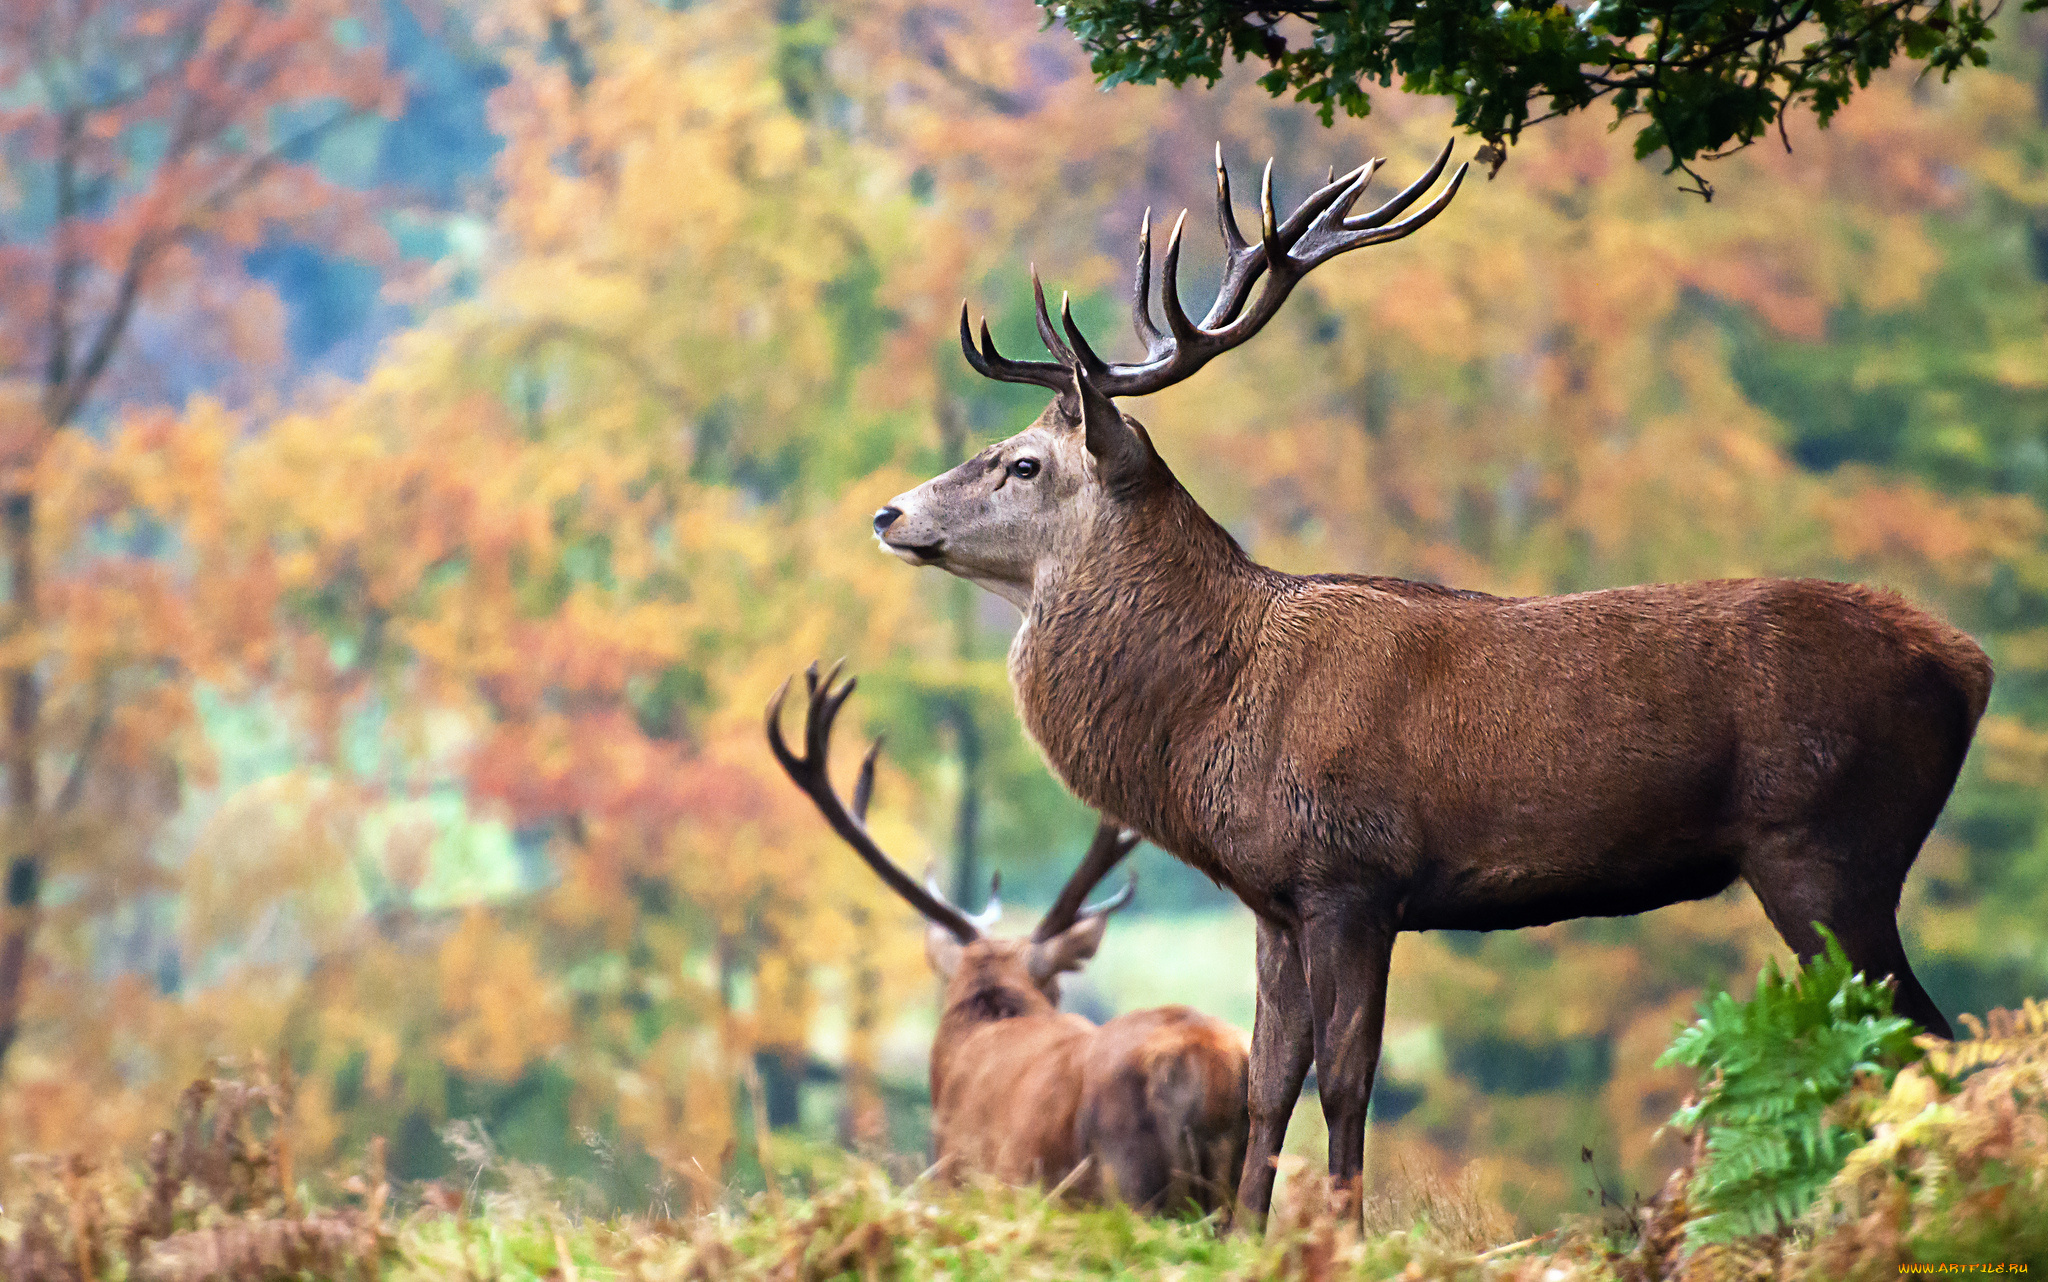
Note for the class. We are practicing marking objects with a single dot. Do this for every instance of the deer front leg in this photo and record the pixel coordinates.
(1283, 1043)
(1346, 950)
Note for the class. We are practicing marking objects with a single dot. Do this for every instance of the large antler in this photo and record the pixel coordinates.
(808, 771)
(1112, 842)
(1319, 229)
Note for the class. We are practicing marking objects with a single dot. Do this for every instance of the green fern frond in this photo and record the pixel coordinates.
(1773, 1065)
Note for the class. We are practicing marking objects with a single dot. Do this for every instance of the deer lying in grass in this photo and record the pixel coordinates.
(1152, 1102)
(1357, 756)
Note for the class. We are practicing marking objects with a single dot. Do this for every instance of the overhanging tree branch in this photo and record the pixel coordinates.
(1708, 78)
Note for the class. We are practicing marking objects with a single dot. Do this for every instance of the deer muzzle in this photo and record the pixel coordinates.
(912, 537)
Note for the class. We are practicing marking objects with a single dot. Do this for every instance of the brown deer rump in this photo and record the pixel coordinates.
(1491, 762)
(1164, 1107)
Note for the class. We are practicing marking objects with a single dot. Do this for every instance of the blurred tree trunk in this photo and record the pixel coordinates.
(864, 1116)
(969, 886)
(782, 1078)
(24, 782)
(782, 1008)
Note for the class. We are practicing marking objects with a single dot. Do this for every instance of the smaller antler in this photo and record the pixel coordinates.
(1112, 842)
(808, 772)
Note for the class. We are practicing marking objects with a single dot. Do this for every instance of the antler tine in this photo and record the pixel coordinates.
(1361, 178)
(1321, 200)
(864, 784)
(1423, 216)
(1085, 354)
(1242, 262)
(808, 772)
(980, 365)
(1141, 294)
(1405, 197)
(1226, 217)
(1061, 352)
(1269, 226)
(992, 911)
(1105, 851)
(1114, 902)
(775, 741)
(824, 710)
(1184, 331)
(989, 363)
(1381, 235)
(1433, 208)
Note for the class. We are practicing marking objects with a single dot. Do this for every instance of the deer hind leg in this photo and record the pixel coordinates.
(1120, 1132)
(1346, 950)
(1222, 1164)
(1283, 1045)
(1138, 1173)
(1799, 884)
(1176, 1099)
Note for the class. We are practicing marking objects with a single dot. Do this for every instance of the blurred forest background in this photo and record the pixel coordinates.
(430, 429)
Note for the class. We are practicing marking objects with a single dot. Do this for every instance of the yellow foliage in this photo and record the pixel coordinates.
(2014, 1038)
(2014, 752)
(503, 1012)
(1959, 1153)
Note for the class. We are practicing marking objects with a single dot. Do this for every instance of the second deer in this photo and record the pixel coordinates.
(1149, 1107)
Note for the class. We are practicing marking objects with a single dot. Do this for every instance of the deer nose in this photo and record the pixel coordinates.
(886, 518)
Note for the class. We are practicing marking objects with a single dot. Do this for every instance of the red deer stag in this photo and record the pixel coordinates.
(1356, 756)
(1153, 1101)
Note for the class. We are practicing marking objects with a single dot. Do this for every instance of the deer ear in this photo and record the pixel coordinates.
(1068, 950)
(1117, 446)
(941, 950)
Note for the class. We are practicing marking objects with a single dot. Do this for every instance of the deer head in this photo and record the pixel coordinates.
(1028, 504)
(955, 942)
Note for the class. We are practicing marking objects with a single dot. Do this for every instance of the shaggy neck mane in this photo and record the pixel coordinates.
(993, 999)
(977, 1000)
(1137, 641)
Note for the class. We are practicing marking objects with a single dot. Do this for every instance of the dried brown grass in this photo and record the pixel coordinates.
(216, 1202)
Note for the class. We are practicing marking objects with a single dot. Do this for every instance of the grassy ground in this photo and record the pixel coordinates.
(861, 1227)
(1952, 1172)
(1964, 1183)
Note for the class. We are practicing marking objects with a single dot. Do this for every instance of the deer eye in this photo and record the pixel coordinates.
(1024, 468)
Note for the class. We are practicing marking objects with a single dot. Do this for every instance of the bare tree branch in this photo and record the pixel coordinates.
(64, 275)
(88, 748)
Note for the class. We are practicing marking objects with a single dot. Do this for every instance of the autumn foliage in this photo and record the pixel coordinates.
(400, 720)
